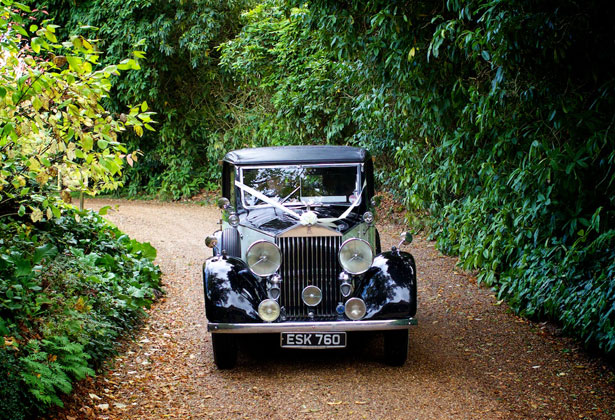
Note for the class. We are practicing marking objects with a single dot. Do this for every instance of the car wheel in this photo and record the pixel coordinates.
(396, 347)
(230, 242)
(225, 350)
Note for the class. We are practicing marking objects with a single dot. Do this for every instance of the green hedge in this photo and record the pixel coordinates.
(494, 119)
(69, 288)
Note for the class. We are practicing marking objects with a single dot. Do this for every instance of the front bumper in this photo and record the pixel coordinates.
(329, 326)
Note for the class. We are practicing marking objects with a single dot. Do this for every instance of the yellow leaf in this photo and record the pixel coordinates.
(37, 215)
(412, 53)
(138, 130)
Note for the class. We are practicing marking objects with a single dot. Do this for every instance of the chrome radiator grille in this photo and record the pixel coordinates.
(310, 261)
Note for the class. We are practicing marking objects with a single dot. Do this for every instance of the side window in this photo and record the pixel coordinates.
(233, 199)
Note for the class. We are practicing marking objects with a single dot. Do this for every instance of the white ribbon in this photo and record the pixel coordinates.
(308, 218)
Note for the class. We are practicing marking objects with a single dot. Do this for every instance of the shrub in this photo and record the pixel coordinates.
(69, 288)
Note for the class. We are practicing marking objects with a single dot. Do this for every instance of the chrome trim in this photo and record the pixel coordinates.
(309, 261)
(332, 326)
(303, 231)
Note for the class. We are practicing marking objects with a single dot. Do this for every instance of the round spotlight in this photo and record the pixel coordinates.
(263, 258)
(233, 219)
(356, 256)
(311, 295)
(368, 217)
(269, 310)
(355, 308)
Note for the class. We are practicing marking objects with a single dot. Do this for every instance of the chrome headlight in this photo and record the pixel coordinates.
(264, 258)
(356, 256)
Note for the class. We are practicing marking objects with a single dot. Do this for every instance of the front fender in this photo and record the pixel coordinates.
(232, 292)
(388, 288)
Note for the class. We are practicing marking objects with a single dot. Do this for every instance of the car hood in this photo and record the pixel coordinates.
(274, 221)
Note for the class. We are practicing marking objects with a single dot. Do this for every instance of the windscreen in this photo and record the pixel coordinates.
(292, 185)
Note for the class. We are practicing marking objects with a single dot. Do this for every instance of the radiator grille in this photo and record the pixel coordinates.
(309, 261)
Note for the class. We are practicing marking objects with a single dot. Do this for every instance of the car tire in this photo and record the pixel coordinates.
(231, 242)
(225, 350)
(396, 347)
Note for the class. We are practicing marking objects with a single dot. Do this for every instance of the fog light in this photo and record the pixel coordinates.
(355, 308)
(269, 310)
(311, 295)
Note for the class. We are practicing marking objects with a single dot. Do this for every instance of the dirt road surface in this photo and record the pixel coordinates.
(470, 358)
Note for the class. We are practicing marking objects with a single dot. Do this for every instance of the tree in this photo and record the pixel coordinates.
(52, 123)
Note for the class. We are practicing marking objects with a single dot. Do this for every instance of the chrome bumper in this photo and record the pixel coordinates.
(327, 326)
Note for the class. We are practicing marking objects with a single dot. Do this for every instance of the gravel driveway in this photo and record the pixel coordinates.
(469, 357)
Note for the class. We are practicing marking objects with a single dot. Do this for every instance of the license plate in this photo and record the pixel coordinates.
(313, 340)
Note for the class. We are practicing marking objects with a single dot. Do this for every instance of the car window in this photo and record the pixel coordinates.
(314, 185)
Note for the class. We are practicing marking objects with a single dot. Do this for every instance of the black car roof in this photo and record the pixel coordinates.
(297, 155)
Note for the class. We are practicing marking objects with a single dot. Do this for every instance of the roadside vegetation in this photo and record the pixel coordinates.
(491, 121)
(71, 284)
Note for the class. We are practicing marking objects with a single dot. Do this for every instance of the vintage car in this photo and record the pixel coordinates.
(298, 254)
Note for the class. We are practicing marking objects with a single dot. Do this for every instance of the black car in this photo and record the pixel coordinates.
(298, 254)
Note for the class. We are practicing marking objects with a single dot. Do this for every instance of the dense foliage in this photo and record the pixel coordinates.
(70, 283)
(493, 118)
(180, 80)
(499, 117)
(68, 290)
(52, 126)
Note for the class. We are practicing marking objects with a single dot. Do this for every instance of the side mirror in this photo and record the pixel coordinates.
(223, 203)
(406, 239)
(211, 241)
(376, 200)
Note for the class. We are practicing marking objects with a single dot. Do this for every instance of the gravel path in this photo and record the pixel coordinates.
(469, 357)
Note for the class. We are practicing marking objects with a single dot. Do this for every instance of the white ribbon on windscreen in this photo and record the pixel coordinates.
(307, 218)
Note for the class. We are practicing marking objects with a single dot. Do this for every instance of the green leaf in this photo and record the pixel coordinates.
(75, 63)
(144, 106)
(102, 144)
(36, 44)
(103, 210)
(47, 252)
(21, 211)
